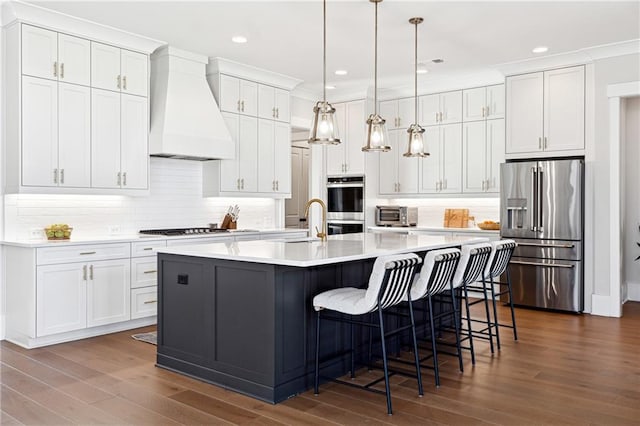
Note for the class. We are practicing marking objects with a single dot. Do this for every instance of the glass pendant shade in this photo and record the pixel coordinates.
(377, 137)
(324, 128)
(416, 147)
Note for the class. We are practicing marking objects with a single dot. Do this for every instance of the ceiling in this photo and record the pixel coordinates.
(286, 36)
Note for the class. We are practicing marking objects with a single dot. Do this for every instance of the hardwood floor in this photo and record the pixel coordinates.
(565, 369)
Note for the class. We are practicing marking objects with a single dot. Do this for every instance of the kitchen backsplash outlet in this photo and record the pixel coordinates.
(113, 229)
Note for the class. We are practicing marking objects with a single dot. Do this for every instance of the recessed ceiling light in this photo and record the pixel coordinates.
(341, 72)
(329, 87)
(540, 49)
(239, 39)
(437, 60)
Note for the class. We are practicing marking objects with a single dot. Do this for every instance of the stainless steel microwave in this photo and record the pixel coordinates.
(396, 216)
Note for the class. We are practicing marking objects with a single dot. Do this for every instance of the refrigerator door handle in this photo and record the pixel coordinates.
(533, 198)
(539, 197)
(546, 245)
(550, 265)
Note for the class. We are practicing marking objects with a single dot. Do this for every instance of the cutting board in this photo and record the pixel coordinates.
(456, 218)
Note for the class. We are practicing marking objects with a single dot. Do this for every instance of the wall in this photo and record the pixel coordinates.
(2, 127)
(606, 71)
(631, 200)
(175, 201)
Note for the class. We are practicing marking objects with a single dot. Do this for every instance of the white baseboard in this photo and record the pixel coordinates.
(1, 327)
(604, 306)
(633, 292)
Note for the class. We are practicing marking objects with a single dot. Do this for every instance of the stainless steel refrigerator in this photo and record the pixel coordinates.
(541, 208)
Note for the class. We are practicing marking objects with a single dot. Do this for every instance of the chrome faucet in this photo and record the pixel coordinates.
(322, 235)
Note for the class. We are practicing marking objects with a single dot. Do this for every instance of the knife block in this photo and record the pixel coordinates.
(228, 222)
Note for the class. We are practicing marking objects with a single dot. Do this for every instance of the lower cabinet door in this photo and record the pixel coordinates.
(61, 298)
(144, 302)
(108, 292)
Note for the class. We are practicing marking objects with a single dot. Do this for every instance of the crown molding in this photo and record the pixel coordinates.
(17, 11)
(226, 66)
(302, 93)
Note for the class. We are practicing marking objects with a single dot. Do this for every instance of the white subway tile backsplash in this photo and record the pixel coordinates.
(175, 200)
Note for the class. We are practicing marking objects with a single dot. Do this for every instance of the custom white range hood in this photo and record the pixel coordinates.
(185, 120)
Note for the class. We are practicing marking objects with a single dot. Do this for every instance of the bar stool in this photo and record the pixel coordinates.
(497, 264)
(436, 276)
(389, 284)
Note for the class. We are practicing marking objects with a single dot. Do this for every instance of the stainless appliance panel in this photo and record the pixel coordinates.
(517, 200)
(338, 227)
(549, 249)
(560, 199)
(345, 198)
(550, 284)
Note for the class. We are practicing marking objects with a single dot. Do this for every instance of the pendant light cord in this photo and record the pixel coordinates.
(324, 51)
(415, 75)
(375, 65)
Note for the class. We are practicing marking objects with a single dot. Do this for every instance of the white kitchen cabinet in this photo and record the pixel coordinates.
(441, 171)
(144, 271)
(398, 174)
(398, 113)
(545, 112)
(144, 302)
(108, 292)
(55, 56)
(441, 108)
(56, 134)
(238, 95)
(482, 153)
(347, 157)
(482, 103)
(120, 70)
(274, 152)
(119, 140)
(61, 298)
(273, 103)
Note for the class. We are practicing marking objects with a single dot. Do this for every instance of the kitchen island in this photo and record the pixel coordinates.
(240, 314)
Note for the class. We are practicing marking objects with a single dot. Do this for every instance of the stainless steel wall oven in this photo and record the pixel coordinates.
(345, 204)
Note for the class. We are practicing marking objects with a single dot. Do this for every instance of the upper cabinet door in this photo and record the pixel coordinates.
(408, 167)
(39, 52)
(388, 166)
(105, 139)
(282, 105)
(564, 109)
(429, 109)
(105, 67)
(474, 104)
(524, 113)
(248, 154)
(354, 135)
(335, 157)
(266, 171)
(473, 152)
(135, 75)
(249, 98)
(133, 143)
(266, 105)
(451, 156)
(451, 107)
(406, 115)
(229, 98)
(39, 132)
(74, 146)
(282, 157)
(74, 60)
(495, 101)
(431, 165)
(495, 154)
(229, 178)
(389, 111)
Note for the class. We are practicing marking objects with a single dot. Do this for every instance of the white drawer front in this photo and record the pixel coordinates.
(146, 248)
(82, 253)
(144, 271)
(144, 302)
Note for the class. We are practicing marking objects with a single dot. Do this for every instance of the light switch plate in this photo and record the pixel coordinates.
(113, 229)
(36, 233)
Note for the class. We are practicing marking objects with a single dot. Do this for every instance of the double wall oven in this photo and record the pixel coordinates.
(345, 204)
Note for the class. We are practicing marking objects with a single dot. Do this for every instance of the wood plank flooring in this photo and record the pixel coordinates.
(565, 369)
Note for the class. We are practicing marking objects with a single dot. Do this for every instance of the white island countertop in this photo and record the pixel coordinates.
(338, 248)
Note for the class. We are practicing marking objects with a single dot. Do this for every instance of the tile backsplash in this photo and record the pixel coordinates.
(175, 200)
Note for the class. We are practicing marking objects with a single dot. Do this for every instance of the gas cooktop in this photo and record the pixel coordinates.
(182, 231)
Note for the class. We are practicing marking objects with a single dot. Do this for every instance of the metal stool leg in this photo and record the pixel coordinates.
(384, 363)
(317, 375)
(353, 345)
(456, 326)
(513, 315)
(486, 309)
(495, 313)
(466, 302)
(415, 350)
(433, 342)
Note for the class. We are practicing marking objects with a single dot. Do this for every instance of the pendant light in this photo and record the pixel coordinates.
(415, 148)
(324, 129)
(376, 131)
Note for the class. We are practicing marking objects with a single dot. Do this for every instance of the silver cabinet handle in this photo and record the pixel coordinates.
(148, 248)
(445, 184)
(124, 179)
(124, 82)
(550, 265)
(483, 184)
(150, 301)
(437, 115)
(277, 185)
(482, 111)
(277, 112)
(399, 187)
(273, 112)
(85, 253)
(237, 183)
(242, 103)
(119, 179)
(91, 272)
(440, 117)
(119, 81)
(84, 273)
(242, 180)
(152, 271)
(55, 175)
(273, 185)
(238, 105)
(546, 245)
(55, 69)
(539, 143)
(545, 142)
(61, 175)
(62, 70)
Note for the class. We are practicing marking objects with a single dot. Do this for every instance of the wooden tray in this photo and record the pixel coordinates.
(456, 218)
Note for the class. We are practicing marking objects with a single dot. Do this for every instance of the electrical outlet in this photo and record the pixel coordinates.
(113, 229)
(36, 233)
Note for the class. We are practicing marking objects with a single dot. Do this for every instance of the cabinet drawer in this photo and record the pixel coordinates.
(144, 271)
(82, 253)
(146, 248)
(144, 302)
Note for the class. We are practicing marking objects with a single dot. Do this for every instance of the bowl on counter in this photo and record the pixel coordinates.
(58, 232)
(489, 226)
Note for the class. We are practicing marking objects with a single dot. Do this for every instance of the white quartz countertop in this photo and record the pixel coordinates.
(431, 229)
(310, 252)
(133, 238)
